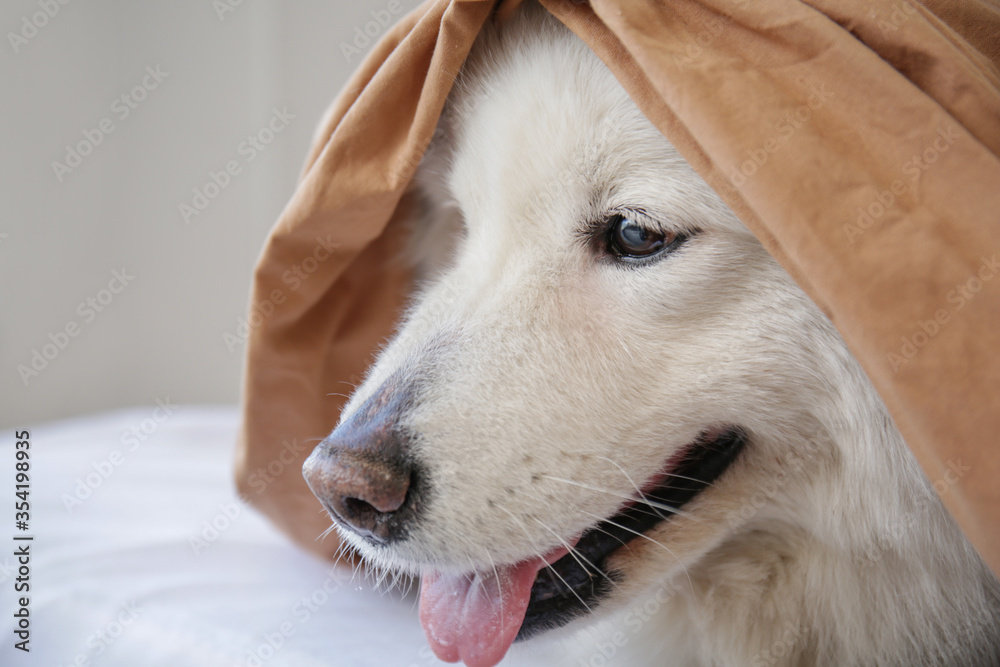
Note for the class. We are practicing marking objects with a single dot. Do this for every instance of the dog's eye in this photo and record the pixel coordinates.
(627, 238)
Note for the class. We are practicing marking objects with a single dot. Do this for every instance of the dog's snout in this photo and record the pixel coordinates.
(362, 490)
(373, 487)
(363, 474)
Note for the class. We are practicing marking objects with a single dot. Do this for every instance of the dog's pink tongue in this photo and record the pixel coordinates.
(475, 618)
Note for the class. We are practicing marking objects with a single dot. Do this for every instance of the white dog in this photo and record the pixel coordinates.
(610, 411)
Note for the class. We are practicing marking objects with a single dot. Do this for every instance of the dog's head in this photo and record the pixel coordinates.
(599, 363)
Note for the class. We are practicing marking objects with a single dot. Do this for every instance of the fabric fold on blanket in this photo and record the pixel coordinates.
(858, 140)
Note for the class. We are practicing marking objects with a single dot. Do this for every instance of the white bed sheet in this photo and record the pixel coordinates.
(126, 561)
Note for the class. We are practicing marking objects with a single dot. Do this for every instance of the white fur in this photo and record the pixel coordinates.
(535, 362)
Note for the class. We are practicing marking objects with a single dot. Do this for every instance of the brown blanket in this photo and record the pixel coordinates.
(858, 139)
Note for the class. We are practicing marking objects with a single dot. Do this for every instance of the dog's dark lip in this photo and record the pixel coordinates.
(571, 587)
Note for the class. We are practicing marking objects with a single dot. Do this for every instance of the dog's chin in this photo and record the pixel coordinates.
(575, 584)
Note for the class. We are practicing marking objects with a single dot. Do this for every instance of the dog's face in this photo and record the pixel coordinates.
(599, 358)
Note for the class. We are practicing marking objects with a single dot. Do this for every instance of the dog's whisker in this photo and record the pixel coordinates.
(357, 567)
(647, 537)
(382, 573)
(372, 573)
(668, 474)
(637, 508)
(547, 566)
(644, 500)
(392, 578)
(472, 565)
(322, 536)
(520, 523)
(385, 580)
(691, 479)
(419, 582)
(397, 578)
(598, 528)
(341, 552)
(673, 509)
(632, 482)
(410, 582)
(331, 528)
(577, 556)
(496, 573)
(482, 590)
(325, 533)
(554, 571)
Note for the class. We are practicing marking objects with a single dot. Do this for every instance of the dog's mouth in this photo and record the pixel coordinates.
(476, 617)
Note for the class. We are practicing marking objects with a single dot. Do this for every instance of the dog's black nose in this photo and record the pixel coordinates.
(362, 472)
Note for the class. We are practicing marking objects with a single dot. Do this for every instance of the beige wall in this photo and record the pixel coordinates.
(158, 331)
